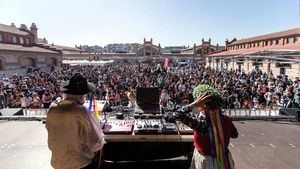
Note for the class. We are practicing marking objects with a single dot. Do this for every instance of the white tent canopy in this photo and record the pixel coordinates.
(86, 62)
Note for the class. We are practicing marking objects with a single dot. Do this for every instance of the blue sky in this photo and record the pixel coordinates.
(169, 22)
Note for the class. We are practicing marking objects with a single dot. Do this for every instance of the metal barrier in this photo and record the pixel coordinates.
(235, 114)
(251, 112)
(35, 112)
(257, 114)
(28, 114)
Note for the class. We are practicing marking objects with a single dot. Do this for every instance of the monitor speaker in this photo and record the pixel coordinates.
(11, 112)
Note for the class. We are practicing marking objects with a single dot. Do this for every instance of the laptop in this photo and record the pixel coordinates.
(148, 100)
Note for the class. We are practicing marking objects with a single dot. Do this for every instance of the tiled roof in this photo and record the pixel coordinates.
(12, 29)
(11, 47)
(290, 32)
(58, 47)
(66, 48)
(252, 50)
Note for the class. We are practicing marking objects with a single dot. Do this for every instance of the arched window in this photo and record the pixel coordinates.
(27, 62)
(51, 61)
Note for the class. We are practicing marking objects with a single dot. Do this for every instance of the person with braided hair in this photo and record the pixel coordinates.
(212, 129)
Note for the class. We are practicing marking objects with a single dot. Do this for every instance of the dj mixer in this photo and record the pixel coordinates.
(148, 126)
(184, 129)
(170, 128)
(117, 126)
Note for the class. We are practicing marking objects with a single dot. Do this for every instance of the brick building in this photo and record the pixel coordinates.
(20, 53)
(277, 53)
(148, 50)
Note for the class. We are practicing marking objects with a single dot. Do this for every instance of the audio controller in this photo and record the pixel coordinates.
(147, 126)
(170, 128)
(184, 129)
(116, 126)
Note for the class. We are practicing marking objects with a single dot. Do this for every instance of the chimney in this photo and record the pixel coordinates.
(33, 30)
(45, 40)
(151, 40)
(226, 42)
(13, 25)
(23, 27)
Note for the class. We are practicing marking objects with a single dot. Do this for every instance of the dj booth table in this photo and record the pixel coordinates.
(146, 147)
(134, 145)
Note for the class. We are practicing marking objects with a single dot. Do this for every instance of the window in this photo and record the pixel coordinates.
(266, 43)
(253, 44)
(21, 40)
(287, 40)
(27, 41)
(258, 44)
(15, 39)
(1, 37)
(244, 45)
(295, 39)
(277, 41)
(271, 43)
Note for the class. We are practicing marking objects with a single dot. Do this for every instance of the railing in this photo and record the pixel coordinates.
(28, 114)
(236, 114)
(257, 114)
(35, 112)
(251, 112)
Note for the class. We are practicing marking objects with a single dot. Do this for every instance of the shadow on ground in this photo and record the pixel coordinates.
(166, 164)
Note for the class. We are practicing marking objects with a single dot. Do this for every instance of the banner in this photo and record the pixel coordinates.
(166, 64)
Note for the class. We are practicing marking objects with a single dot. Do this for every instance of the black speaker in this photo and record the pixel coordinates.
(290, 112)
(11, 112)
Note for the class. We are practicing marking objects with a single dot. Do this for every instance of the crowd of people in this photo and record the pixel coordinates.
(239, 90)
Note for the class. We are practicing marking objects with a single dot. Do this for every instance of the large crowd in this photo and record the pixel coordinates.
(255, 90)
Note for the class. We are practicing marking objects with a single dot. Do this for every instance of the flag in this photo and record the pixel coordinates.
(166, 64)
(91, 101)
(96, 107)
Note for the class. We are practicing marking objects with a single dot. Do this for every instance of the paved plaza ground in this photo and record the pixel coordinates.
(261, 145)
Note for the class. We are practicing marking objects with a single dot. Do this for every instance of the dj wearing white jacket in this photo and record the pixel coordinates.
(74, 134)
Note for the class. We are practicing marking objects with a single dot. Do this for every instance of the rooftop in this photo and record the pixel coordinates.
(13, 47)
(12, 29)
(274, 35)
(257, 49)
